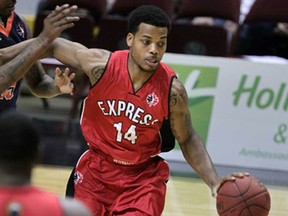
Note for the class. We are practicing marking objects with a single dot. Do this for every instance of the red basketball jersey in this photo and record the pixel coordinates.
(120, 122)
(28, 201)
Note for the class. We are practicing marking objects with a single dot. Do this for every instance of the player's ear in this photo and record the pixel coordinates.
(129, 39)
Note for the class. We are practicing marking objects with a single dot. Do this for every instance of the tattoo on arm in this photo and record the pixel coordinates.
(178, 95)
(97, 72)
(180, 118)
(173, 99)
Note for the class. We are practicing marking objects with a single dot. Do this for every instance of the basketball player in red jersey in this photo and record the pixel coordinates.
(13, 30)
(20, 150)
(132, 94)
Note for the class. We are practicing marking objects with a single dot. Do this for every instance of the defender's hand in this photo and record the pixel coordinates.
(64, 80)
(58, 20)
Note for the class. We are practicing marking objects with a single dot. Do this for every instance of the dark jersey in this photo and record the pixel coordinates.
(14, 32)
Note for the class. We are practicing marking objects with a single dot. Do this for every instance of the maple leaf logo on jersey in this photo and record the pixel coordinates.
(78, 177)
(20, 30)
(152, 99)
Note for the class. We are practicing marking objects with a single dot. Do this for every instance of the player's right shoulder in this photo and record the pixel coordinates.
(178, 95)
(177, 87)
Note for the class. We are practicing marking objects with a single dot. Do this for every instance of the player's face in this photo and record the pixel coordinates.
(148, 46)
(6, 7)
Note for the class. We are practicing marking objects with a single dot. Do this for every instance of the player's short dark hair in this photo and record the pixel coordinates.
(148, 14)
(19, 138)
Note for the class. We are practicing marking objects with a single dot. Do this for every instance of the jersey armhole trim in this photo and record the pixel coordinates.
(104, 70)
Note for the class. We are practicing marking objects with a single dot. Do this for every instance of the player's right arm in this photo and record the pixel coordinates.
(91, 61)
(192, 147)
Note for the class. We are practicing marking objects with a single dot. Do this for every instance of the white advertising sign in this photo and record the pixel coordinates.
(248, 119)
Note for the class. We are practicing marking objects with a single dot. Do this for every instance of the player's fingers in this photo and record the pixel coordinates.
(65, 23)
(64, 11)
(61, 13)
(58, 72)
(66, 20)
(66, 71)
(225, 179)
(72, 76)
(57, 10)
(232, 176)
(66, 26)
(240, 174)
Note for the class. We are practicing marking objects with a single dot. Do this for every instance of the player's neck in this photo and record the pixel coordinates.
(138, 76)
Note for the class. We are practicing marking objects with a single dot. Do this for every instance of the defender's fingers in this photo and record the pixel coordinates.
(58, 72)
(72, 76)
(62, 12)
(66, 20)
(57, 10)
(66, 72)
(66, 26)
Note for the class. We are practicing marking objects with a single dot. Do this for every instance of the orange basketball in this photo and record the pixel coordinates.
(245, 196)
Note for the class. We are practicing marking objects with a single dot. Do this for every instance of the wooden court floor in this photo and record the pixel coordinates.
(185, 196)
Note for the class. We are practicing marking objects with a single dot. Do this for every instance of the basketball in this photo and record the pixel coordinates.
(245, 196)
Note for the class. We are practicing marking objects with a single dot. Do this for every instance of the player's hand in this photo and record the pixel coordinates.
(64, 80)
(58, 20)
(230, 177)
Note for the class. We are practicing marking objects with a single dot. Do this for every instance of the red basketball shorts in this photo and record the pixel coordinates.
(110, 189)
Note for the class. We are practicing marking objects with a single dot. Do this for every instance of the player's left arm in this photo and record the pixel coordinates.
(192, 147)
(43, 85)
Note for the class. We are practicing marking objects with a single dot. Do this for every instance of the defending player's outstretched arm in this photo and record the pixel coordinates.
(18, 59)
